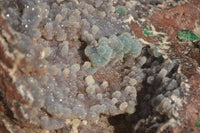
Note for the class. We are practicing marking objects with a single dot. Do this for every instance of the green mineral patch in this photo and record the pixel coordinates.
(188, 35)
(121, 10)
(197, 123)
(147, 32)
(114, 47)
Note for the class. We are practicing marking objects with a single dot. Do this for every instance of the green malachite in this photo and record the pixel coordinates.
(146, 32)
(188, 35)
(197, 123)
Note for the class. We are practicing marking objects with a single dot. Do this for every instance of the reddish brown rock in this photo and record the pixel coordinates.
(138, 33)
(172, 20)
(3, 129)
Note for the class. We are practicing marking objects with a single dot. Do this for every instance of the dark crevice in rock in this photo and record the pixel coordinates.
(145, 110)
(45, 110)
(82, 52)
(120, 123)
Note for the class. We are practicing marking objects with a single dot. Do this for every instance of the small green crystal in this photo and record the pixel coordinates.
(99, 55)
(125, 38)
(103, 49)
(188, 35)
(146, 32)
(92, 70)
(197, 123)
(115, 43)
(136, 48)
(89, 50)
(121, 10)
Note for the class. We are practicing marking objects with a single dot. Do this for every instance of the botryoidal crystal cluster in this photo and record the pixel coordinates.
(73, 65)
(114, 47)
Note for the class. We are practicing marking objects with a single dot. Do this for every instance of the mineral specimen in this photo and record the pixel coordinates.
(114, 47)
(121, 10)
(188, 35)
(55, 75)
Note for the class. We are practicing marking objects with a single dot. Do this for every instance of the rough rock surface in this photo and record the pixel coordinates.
(51, 82)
